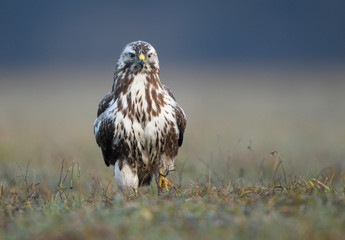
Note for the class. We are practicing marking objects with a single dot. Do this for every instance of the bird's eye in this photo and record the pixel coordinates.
(131, 55)
(149, 56)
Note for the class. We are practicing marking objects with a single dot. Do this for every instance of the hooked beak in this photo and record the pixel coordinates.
(141, 60)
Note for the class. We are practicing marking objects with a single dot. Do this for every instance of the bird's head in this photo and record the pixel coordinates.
(139, 57)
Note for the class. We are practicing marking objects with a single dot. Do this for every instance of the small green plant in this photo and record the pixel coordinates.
(300, 208)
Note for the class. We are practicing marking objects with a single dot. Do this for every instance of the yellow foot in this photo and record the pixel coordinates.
(163, 182)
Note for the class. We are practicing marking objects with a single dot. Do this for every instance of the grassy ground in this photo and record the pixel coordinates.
(263, 158)
(301, 208)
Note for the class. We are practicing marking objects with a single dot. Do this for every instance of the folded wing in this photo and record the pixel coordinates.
(104, 128)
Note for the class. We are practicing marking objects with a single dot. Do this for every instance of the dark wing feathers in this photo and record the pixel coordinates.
(181, 123)
(168, 90)
(106, 129)
(104, 139)
(104, 104)
(180, 117)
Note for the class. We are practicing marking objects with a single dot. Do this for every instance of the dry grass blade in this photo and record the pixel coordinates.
(278, 162)
(1, 190)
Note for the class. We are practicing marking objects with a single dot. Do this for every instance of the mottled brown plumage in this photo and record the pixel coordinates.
(139, 125)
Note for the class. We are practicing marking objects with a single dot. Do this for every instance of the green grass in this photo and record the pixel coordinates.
(301, 208)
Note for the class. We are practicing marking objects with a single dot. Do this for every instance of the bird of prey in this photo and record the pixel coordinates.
(139, 125)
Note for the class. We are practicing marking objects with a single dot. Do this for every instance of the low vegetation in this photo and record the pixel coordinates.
(295, 208)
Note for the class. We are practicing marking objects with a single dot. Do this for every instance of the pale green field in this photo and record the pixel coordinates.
(237, 116)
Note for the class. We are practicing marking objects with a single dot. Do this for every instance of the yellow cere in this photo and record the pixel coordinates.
(142, 57)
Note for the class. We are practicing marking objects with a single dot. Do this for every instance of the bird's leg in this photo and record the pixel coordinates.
(136, 193)
(163, 181)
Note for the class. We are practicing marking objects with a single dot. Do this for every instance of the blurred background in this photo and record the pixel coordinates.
(253, 77)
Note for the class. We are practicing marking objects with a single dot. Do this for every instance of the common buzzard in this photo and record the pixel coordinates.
(139, 124)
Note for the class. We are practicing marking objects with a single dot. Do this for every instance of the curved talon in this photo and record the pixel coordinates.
(163, 182)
